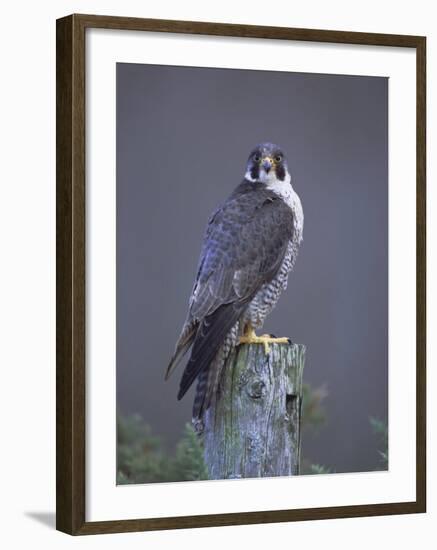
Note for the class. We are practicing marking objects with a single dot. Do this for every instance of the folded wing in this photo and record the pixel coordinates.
(244, 246)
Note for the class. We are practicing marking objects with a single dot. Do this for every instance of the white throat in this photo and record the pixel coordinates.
(282, 188)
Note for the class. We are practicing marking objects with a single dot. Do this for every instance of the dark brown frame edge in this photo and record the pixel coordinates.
(70, 274)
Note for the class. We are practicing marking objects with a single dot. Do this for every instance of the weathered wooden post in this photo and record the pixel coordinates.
(252, 428)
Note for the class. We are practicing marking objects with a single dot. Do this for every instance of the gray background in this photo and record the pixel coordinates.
(183, 137)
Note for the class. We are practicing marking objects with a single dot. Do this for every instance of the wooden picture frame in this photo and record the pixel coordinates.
(71, 283)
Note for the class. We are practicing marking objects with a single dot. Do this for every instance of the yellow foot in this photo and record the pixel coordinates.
(251, 338)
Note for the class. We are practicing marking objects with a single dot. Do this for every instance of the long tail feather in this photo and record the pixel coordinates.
(209, 337)
(201, 388)
(183, 345)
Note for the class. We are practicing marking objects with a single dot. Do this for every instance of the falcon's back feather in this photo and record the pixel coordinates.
(243, 248)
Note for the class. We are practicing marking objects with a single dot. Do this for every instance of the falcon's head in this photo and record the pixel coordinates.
(267, 164)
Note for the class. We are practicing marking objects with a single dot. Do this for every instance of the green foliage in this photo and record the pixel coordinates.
(380, 429)
(313, 414)
(142, 459)
(319, 469)
(313, 417)
(188, 463)
(139, 455)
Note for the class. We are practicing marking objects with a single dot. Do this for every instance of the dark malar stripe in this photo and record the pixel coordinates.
(254, 171)
(280, 172)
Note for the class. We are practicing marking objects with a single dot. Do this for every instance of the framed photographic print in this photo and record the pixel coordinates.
(240, 274)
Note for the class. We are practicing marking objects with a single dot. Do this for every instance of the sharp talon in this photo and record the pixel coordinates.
(290, 341)
(249, 337)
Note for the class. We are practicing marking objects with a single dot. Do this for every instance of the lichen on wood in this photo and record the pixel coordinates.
(252, 428)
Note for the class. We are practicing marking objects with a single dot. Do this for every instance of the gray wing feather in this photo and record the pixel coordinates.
(244, 245)
(243, 248)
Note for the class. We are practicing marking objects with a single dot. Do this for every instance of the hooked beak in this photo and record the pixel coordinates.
(267, 164)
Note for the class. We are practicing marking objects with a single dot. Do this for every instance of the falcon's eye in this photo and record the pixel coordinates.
(257, 158)
(278, 158)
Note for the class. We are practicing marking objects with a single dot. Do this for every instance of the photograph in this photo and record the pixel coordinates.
(216, 275)
(251, 273)
(241, 274)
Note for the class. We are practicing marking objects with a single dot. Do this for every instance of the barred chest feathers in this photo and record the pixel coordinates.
(269, 294)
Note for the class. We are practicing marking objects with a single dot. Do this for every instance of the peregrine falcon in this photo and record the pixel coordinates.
(250, 246)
